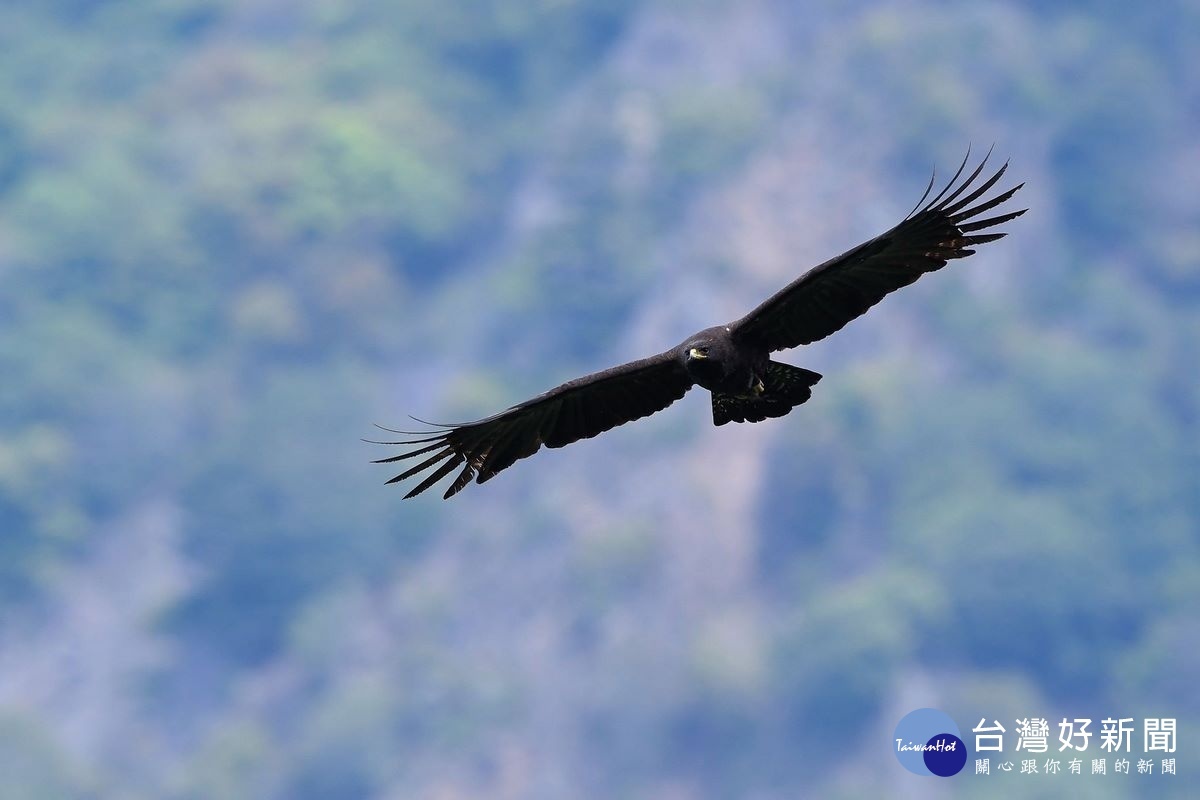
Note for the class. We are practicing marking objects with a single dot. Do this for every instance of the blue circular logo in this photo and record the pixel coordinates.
(945, 755)
(928, 742)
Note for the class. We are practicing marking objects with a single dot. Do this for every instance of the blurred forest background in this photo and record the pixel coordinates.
(235, 234)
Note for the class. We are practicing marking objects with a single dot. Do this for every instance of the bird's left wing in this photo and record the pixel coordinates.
(828, 296)
(578, 409)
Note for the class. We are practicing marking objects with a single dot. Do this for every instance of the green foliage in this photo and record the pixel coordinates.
(704, 132)
(33, 765)
(835, 663)
(233, 764)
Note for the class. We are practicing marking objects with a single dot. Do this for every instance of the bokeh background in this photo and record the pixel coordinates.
(233, 235)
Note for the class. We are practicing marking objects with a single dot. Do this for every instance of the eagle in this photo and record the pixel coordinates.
(732, 361)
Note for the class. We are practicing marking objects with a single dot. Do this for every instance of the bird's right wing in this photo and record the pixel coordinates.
(578, 409)
(828, 296)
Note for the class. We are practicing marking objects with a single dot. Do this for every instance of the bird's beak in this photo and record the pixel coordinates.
(695, 353)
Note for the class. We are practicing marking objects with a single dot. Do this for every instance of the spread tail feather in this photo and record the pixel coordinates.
(784, 387)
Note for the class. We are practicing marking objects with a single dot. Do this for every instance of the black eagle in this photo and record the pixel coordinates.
(732, 361)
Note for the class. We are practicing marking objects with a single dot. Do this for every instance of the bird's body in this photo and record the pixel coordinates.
(746, 385)
(731, 361)
(717, 363)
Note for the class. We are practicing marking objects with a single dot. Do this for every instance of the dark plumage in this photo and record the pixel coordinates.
(731, 361)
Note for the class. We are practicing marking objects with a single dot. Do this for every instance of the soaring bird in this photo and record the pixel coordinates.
(731, 361)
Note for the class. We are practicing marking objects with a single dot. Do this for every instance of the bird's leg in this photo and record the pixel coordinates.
(756, 386)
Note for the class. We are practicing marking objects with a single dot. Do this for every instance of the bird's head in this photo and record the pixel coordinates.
(705, 353)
